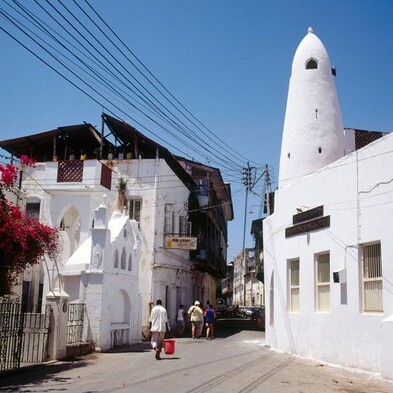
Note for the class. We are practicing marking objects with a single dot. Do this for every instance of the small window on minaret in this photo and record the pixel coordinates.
(311, 64)
(319, 149)
(289, 155)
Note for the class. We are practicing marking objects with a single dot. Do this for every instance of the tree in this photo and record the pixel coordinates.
(23, 241)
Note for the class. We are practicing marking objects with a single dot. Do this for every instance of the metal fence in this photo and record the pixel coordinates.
(76, 314)
(23, 335)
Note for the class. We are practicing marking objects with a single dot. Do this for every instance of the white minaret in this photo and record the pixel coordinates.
(313, 135)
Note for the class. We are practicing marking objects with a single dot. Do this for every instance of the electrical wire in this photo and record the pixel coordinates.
(117, 107)
(153, 106)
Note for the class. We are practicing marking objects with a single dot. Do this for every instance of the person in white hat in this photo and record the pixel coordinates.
(195, 315)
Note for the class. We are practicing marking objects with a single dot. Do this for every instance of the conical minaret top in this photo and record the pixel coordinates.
(313, 135)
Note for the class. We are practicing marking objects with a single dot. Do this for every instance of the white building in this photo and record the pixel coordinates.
(327, 246)
(160, 234)
(99, 255)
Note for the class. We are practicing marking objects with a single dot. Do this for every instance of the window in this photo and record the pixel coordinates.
(271, 302)
(130, 263)
(123, 260)
(26, 296)
(168, 217)
(116, 264)
(311, 65)
(39, 300)
(294, 285)
(33, 209)
(372, 278)
(183, 226)
(323, 282)
(135, 209)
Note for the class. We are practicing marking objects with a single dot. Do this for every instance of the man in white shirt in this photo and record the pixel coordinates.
(158, 326)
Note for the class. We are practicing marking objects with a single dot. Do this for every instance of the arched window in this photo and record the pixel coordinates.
(130, 263)
(311, 64)
(123, 259)
(116, 259)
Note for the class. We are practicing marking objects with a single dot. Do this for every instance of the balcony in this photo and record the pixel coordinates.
(73, 174)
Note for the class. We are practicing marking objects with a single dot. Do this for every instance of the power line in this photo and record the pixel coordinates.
(155, 79)
(125, 70)
(111, 103)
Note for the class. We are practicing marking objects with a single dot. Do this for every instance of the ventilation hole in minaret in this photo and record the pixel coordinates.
(311, 64)
(289, 155)
(319, 149)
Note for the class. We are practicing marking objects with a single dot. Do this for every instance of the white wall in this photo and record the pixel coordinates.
(356, 192)
(156, 184)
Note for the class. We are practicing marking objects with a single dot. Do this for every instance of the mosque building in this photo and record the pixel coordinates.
(327, 246)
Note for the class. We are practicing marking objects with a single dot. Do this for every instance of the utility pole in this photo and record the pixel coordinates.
(248, 183)
(267, 189)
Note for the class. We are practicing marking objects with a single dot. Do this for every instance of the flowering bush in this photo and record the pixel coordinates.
(23, 241)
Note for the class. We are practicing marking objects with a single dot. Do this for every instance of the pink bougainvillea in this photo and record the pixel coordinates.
(23, 241)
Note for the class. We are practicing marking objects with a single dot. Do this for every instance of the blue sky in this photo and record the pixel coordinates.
(229, 63)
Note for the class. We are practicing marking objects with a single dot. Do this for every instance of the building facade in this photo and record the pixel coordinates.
(327, 245)
(132, 225)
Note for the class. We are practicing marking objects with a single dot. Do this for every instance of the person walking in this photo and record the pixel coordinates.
(195, 315)
(210, 318)
(181, 323)
(204, 318)
(158, 326)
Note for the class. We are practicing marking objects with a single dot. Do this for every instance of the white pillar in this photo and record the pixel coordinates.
(57, 340)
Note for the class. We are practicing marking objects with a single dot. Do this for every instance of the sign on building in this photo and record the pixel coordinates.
(181, 243)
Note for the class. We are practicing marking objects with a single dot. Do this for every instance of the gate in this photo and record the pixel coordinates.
(76, 313)
(23, 335)
(11, 334)
(35, 336)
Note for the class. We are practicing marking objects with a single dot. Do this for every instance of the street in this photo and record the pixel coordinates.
(235, 361)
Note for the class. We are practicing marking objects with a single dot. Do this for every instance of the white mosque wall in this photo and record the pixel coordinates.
(355, 192)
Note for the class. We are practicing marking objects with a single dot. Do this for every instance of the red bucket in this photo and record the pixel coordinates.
(169, 347)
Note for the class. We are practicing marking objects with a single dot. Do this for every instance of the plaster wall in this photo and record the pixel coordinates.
(154, 182)
(356, 193)
(163, 273)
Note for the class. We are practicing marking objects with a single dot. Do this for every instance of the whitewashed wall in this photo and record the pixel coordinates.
(356, 192)
(165, 274)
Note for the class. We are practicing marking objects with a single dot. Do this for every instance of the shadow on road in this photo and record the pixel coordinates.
(226, 327)
(139, 347)
(35, 375)
(17, 380)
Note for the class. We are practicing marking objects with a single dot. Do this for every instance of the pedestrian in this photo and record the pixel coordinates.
(195, 315)
(204, 318)
(180, 320)
(210, 318)
(158, 326)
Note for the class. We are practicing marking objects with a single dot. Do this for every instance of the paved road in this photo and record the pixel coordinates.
(235, 361)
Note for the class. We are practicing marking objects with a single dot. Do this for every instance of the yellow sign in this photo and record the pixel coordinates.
(181, 243)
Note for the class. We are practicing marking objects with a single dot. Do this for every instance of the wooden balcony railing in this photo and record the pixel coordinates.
(70, 171)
